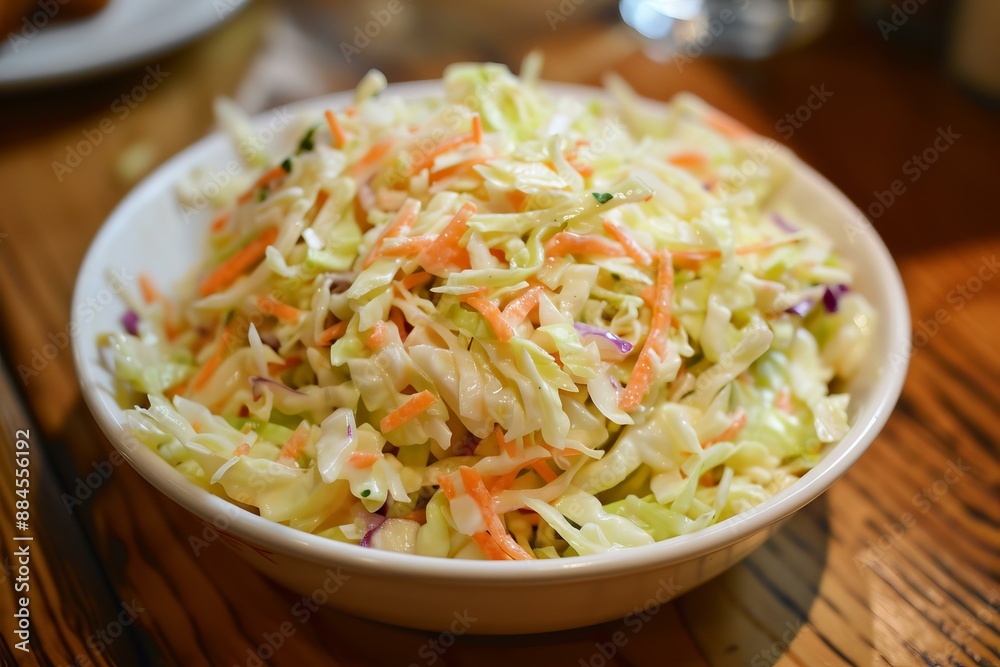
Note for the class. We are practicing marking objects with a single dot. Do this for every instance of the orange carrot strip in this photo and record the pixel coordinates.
(242, 449)
(448, 486)
(688, 159)
(504, 482)
(213, 362)
(397, 318)
(445, 252)
(519, 308)
(477, 129)
(455, 169)
(415, 405)
(411, 246)
(489, 310)
(363, 459)
(489, 547)
(296, 442)
(543, 469)
(148, 288)
(641, 378)
(376, 339)
(445, 146)
(568, 243)
(226, 273)
(404, 218)
(517, 199)
(336, 132)
(477, 490)
(739, 421)
(506, 445)
(726, 124)
(420, 516)
(282, 311)
(372, 157)
(332, 333)
(220, 222)
(416, 280)
(783, 401)
(268, 177)
(321, 198)
(631, 246)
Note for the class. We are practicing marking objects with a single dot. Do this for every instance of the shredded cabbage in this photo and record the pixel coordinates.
(503, 324)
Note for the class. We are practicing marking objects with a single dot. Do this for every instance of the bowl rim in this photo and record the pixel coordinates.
(309, 547)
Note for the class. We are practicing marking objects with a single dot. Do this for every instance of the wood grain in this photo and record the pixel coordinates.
(896, 565)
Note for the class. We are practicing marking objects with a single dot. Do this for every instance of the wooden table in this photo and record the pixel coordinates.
(898, 564)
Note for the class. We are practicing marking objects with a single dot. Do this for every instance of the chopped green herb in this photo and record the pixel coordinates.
(603, 197)
(229, 317)
(307, 143)
(262, 195)
(286, 164)
(366, 493)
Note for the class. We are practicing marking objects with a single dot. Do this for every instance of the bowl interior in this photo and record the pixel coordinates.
(150, 232)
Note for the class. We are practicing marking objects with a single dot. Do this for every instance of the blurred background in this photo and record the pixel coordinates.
(895, 101)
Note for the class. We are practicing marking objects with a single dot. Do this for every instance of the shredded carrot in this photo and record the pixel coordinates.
(411, 246)
(692, 257)
(148, 288)
(226, 273)
(519, 308)
(489, 310)
(351, 111)
(363, 459)
(415, 280)
(726, 124)
(220, 222)
(376, 339)
(282, 311)
(688, 160)
(404, 219)
(445, 252)
(641, 378)
(517, 199)
(568, 243)
(296, 442)
(783, 401)
(448, 486)
(397, 318)
(420, 516)
(419, 163)
(372, 157)
(332, 333)
(504, 482)
(455, 169)
(268, 177)
(213, 362)
(583, 168)
(739, 421)
(506, 445)
(489, 547)
(242, 449)
(630, 245)
(477, 129)
(477, 490)
(336, 132)
(543, 469)
(415, 405)
(321, 197)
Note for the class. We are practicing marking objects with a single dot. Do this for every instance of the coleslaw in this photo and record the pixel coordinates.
(500, 324)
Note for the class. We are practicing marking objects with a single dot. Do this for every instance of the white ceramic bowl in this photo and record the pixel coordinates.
(148, 232)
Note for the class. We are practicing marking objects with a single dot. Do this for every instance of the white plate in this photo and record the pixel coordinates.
(149, 232)
(123, 33)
